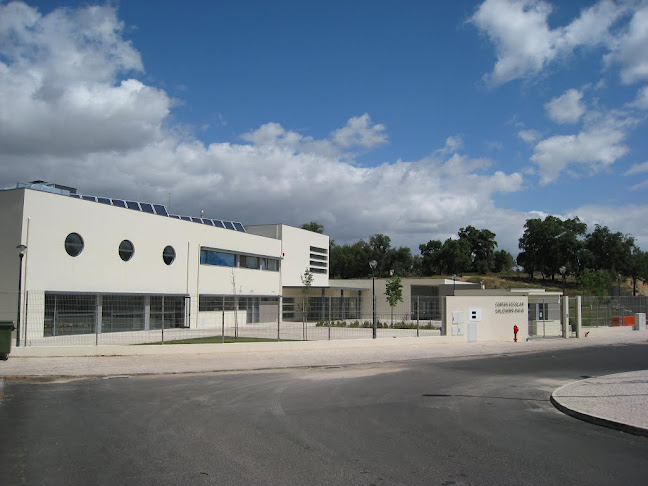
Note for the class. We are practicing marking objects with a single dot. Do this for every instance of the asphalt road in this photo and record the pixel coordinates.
(467, 421)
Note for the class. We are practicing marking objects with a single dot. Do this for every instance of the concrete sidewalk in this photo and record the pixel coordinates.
(618, 401)
(109, 360)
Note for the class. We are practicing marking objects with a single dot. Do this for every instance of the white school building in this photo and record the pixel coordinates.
(88, 264)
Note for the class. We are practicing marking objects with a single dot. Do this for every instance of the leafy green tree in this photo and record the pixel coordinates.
(394, 293)
(307, 282)
(549, 244)
(637, 267)
(594, 282)
(482, 248)
(611, 251)
(380, 247)
(454, 257)
(503, 261)
(313, 226)
(430, 252)
(350, 261)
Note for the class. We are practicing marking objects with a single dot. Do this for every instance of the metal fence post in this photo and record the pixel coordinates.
(223, 323)
(418, 314)
(163, 319)
(279, 310)
(329, 318)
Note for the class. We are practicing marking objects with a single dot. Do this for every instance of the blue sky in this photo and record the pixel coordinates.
(412, 119)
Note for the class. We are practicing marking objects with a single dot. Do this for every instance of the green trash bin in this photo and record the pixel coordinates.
(6, 328)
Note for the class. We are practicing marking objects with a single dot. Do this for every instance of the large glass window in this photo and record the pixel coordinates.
(249, 262)
(73, 244)
(126, 250)
(270, 264)
(221, 259)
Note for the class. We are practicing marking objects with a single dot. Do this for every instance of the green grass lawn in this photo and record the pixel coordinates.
(218, 340)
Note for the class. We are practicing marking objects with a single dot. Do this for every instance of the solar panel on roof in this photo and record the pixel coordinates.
(75, 196)
(239, 227)
(185, 218)
(119, 203)
(133, 205)
(218, 223)
(196, 220)
(103, 200)
(89, 198)
(161, 210)
(229, 225)
(208, 222)
(147, 208)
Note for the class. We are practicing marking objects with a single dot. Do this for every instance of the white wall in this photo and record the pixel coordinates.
(99, 268)
(11, 231)
(498, 315)
(296, 245)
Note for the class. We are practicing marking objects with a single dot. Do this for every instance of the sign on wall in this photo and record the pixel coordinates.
(509, 307)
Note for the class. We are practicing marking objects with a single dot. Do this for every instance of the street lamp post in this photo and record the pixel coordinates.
(563, 271)
(21, 253)
(454, 282)
(373, 264)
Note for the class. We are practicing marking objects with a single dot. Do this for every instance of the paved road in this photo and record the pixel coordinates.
(444, 421)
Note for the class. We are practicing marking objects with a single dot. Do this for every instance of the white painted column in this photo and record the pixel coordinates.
(579, 317)
(565, 316)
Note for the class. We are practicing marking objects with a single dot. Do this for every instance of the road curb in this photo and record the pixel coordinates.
(593, 419)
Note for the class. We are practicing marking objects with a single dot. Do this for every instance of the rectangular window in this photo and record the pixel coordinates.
(318, 250)
(318, 264)
(218, 258)
(318, 270)
(318, 257)
(270, 264)
(249, 262)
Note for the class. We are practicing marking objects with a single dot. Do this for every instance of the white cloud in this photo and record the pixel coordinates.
(73, 113)
(530, 136)
(60, 92)
(621, 218)
(566, 108)
(596, 147)
(360, 132)
(641, 101)
(525, 44)
(637, 169)
(631, 48)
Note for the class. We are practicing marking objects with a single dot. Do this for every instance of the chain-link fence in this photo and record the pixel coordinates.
(50, 318)
(612, 310)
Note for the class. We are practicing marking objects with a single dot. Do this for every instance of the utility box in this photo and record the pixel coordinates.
(640, 322)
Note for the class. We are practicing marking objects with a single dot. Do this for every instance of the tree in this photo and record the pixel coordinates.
(430, 252)
(313, 226)
(503, 261)
(637, 268)
(611, 251)
(307, 282)
(594, 282)
(482, 248)
(454, 257)
(350, 261)
(549, 244)
(394, 293)
(380, 246)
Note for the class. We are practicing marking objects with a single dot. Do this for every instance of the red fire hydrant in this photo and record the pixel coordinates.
(515, 331)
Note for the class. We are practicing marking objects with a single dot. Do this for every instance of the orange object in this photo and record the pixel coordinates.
(616, 321)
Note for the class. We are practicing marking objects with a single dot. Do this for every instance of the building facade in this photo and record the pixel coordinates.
(96, 264)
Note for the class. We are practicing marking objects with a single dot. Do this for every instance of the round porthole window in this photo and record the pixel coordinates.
(168, 255)
(73, 244)
(126, 250)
